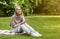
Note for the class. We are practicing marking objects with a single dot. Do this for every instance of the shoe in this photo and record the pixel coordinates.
(36, 34)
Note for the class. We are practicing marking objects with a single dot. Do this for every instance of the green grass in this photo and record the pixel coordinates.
(49, 27)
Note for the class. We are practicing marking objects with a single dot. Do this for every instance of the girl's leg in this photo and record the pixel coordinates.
(29, 27)
(30, 30)
(16, 29)
(27, 30)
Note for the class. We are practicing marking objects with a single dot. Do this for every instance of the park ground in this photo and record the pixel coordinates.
(48, 26)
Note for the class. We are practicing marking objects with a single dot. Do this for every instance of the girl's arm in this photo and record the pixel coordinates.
(12, 23)
(23, 20)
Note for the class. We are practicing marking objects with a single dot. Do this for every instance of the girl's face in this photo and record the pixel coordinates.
(18, 12)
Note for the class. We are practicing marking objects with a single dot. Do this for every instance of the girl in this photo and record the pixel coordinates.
(19, 25)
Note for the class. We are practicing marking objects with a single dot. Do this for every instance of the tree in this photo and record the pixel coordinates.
(48, 7)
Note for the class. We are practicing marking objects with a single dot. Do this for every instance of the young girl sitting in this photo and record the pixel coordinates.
(19, 25)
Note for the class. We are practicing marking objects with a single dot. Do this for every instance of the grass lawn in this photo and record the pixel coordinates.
(49, 27)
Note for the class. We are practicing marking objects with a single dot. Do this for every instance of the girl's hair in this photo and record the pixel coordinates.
(17, 7)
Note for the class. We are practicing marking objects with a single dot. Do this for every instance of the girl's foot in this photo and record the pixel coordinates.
(36, 34)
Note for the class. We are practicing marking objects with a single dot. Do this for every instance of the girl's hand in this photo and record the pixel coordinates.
(22, 22)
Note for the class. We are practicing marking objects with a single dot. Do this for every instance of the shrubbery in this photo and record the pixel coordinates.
(46, 7)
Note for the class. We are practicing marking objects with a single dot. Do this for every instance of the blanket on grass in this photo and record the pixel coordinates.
(6, 32)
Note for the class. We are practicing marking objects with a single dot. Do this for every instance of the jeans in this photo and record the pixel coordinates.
(23, 27)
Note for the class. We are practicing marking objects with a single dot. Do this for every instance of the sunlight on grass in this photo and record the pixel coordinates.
(49, 27)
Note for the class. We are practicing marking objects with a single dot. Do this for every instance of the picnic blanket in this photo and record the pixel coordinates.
(6, 32)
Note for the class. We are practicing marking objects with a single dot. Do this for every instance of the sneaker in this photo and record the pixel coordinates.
(36, 34)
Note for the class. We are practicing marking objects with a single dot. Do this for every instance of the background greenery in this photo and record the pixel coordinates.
(29, 7)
